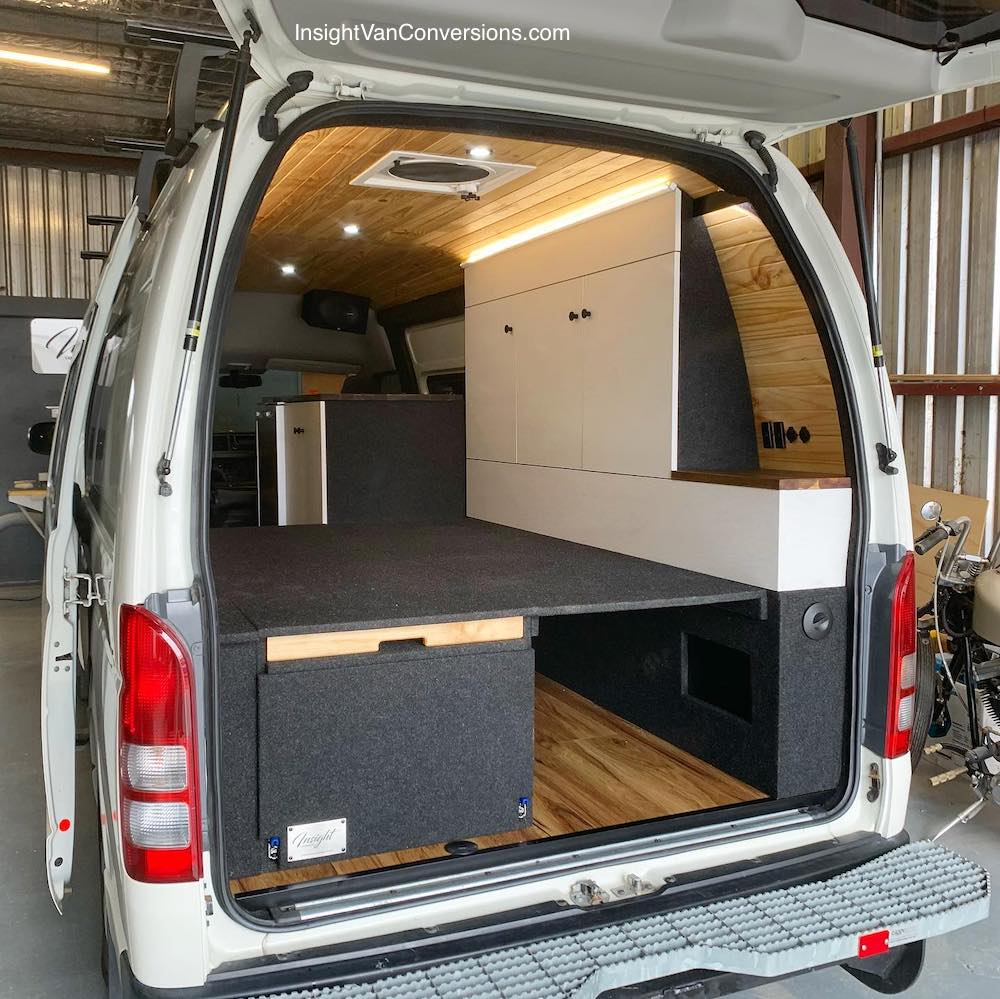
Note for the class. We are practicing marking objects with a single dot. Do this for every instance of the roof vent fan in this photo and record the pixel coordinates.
(455, 175)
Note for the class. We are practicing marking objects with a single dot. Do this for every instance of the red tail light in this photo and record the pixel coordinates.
(902, 662)
(159, 808)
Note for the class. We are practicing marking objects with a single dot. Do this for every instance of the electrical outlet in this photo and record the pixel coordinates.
(767, 434)
(778, 433)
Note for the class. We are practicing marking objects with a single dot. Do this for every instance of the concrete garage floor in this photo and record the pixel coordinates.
(45, 955)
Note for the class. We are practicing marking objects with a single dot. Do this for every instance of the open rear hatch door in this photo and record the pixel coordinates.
(778, 66)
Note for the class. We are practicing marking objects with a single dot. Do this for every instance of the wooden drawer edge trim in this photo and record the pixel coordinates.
(284, 648)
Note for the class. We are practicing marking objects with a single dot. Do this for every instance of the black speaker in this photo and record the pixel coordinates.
(335, 310)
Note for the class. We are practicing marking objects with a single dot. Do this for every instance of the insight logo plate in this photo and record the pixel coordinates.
(317, 839)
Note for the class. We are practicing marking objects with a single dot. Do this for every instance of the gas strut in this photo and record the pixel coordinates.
(886, 455)
(193, 330)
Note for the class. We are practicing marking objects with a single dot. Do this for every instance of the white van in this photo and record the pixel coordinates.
(478, 530)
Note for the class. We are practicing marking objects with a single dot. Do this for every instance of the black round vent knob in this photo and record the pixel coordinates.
(817, 621)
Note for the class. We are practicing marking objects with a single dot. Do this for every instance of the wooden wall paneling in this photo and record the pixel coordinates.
(949, 236)
(787, 369)
(838, 196)
(918, 251)
(892, 120)
(890, 222)
(982, 229)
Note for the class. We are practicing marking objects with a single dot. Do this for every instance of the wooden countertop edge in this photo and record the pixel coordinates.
(765, 479)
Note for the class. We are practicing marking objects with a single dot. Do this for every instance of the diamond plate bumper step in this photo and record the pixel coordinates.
(916, 891)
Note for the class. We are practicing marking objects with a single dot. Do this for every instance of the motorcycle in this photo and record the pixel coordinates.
(957, 705)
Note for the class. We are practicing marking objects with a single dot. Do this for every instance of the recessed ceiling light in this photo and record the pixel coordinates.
(351, 229)
(54, 62)
(288, 269)
(480, 152)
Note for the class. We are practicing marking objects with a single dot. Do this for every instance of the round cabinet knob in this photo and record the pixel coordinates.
(586, 313)
(508, 329)
(574, 316)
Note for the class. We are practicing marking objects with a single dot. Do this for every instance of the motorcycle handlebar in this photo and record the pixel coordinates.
(930, 539)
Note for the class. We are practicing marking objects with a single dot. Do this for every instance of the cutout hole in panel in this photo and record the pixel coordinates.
(718, 675)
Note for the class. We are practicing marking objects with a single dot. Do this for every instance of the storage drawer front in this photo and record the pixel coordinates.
(410, 751)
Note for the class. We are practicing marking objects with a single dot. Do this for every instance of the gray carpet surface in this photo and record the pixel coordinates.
(289, 580)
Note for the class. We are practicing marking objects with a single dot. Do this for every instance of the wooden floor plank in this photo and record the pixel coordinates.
(592, 769)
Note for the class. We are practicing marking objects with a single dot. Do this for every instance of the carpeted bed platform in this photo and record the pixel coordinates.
(291, 580)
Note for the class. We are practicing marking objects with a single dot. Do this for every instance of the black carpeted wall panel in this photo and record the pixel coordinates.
(814, 692)
(410, 753)
(787, 740)
(715, 423)
(395, 460)
(241, 658)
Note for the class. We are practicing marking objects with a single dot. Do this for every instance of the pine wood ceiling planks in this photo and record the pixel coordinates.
(412, 245)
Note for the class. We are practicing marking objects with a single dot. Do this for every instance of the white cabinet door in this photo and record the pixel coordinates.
(547, 338)
(301, 440)
(629, 383)
(489, 381)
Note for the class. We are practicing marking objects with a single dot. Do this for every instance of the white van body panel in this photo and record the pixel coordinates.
(176, 934)
(711, 64)
(60, 639)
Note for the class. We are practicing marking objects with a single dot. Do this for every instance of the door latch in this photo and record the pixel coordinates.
(589, 893)
(84, 590)
(874, 782)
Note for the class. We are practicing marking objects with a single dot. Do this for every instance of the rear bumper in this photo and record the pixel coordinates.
(779, 917)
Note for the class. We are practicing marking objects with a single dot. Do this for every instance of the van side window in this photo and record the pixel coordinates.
(111, 402)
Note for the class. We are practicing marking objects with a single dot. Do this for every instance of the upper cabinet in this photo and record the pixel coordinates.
(571, 345)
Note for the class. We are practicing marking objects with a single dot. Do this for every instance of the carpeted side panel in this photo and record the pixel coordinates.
(396, 460)
(784, 737)
(710, 435)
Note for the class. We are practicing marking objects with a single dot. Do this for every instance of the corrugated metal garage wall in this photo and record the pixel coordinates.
(43, 228)
(937, 245)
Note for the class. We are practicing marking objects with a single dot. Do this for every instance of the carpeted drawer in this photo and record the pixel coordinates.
(406, 750)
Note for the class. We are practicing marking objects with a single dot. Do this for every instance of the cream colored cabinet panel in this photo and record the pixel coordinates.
(647, 228)
(629, 355)
(781, 539)
(549, 368)
(301, 446)
(489, 381)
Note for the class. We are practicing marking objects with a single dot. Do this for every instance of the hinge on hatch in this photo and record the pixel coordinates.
(84, 590)
(717, 136)
(589, 893)
(350, 91)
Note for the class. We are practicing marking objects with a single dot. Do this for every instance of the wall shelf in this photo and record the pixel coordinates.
(931, 384)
